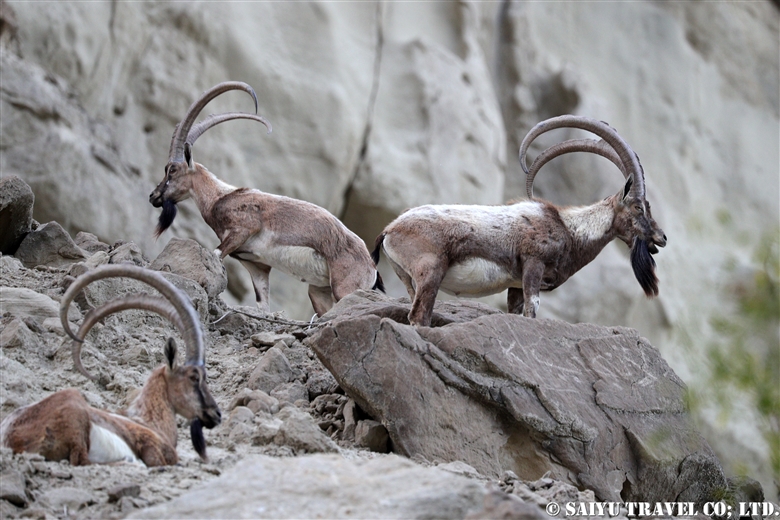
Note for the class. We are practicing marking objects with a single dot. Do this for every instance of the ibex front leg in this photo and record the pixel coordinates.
(515, 300)
(533, 270)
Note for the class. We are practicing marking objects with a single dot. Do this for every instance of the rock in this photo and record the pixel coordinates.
(16, 209)
(17, 335)
(272, 370)
(300, 432)
(266, 429)
(497, 504)
(49, 245)
(502, 392)
(372, 435)
(10, 264)
(66, 497)
(22, 302)
(320, 383)
(240, 424)
(460, 468)
(256, 401)
(13, 488)
(269, 339)
(125, 489)
(90, 243)
(290, 392)
(329, 486)
(187, 258)
(127, 253)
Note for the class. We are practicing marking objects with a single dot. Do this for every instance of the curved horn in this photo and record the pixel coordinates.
(601, 129)
(573, 145)
(216, 119)
(182, 130)
(133, 301)
(188, 320)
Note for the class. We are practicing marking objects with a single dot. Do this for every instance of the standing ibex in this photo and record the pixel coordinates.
(64, 426)
(528, 246)
(259, 229)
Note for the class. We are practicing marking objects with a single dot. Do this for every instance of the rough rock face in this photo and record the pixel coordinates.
(377, 107)
(327, 486)
(594, 405)
(16, 209)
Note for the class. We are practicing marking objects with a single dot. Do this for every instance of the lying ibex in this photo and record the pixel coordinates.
(528, 246)
(64, 427)
(259, 229)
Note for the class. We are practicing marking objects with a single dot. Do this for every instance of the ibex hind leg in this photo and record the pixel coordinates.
(259, 274)
(428, 274)
(321, 299)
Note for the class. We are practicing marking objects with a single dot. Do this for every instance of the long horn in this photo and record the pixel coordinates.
(573, 145)
(601, 129)
(133, 301)
(216, 119)
(176, 152)
(187, 316)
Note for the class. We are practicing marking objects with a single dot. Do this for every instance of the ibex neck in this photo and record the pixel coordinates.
(152, 408)
(207, 189)
(591, 227)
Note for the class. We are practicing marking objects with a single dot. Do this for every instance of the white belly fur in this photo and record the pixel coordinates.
(106, 446)
(303, 263)
(477, 277)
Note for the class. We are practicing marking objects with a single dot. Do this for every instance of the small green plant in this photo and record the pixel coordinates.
(747, 356)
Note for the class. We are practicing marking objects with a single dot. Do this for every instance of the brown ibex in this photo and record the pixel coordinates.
(263, 230)
(525, 247)
(64, 426)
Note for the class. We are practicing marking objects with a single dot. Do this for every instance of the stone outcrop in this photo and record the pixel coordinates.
(593, 405)
(188, 258)
(328, 486)
(16, 209)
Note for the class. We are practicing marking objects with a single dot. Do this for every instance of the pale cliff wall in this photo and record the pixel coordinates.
(379, 109)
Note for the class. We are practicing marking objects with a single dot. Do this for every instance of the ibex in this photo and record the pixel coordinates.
(64, 427)
(525, 247)
(263, 230)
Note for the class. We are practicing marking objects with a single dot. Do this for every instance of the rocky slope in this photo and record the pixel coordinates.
(379, 107)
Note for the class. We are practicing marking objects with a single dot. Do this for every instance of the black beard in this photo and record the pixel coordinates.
(644, 267)
(166, 217)
(198, 441)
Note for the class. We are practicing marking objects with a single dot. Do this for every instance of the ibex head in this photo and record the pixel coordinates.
(179, 172)
(634, 223)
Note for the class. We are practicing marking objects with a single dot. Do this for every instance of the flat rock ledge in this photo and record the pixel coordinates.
(597, 407)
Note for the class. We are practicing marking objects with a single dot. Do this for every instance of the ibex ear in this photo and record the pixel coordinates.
(170, 352)
(188, 155)
(627, 188)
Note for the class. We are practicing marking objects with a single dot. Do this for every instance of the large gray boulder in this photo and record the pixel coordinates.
(16, 206)
(49, 245)
(329, 486)
(595, 406)
(187, 258)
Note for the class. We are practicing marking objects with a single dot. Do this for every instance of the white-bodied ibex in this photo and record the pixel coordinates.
(263, 230)
(525, 247)
(64, 427)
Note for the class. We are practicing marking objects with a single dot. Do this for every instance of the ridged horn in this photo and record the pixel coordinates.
(216, 119)
(182, 130)
(573, 145)
(133, 301)
(624, 152)
(186, 320)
